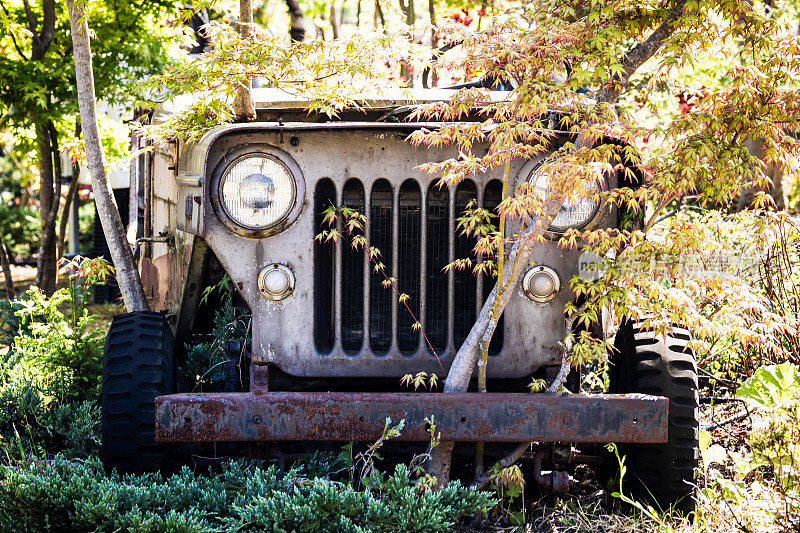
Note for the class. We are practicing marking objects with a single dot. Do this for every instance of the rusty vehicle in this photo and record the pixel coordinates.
(329, 341)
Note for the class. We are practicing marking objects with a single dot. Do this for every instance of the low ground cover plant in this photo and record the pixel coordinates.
(52, 480)
(239, 496)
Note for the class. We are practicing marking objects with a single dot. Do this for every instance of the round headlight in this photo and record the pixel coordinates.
(575, 211)
(257, 191)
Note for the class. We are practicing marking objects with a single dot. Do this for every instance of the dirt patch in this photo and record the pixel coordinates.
(728, 423)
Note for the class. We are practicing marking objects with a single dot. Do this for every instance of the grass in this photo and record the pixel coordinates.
(575, 515)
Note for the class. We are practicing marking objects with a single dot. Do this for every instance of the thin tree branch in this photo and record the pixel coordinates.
(13, 39)
(243, 106)
(32, 24)
(641, 53)
(505, 462)
(379, 12)
(554, 387)
(654, 217)
(563, 370)
(71, 197)
(56, 153)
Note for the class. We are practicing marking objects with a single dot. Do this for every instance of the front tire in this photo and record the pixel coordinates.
(138, 365)
(643, 362)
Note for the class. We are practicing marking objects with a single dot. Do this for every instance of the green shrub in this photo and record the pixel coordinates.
(10, 324)
(34, 424)
(760, 487)
(775, 443)
(74, 496)
(205, 365)
(50, 376)
(62, 343)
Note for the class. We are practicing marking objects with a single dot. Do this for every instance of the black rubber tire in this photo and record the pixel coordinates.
(662, 474)
(138, 365)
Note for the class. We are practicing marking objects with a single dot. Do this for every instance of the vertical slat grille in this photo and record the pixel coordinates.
(407, 244)
(324, 268)
(465, 289)
(380, 237)
(352, 316)
(492, 196)
(409, 263)
(438, 236)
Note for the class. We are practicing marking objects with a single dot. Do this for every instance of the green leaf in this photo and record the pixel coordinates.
(711, 453)
(705, 440)
(771, 386)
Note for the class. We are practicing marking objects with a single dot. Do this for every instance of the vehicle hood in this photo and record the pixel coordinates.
(273, 98)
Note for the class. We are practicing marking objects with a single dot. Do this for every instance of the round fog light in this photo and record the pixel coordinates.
(541, 284)
(276, 282)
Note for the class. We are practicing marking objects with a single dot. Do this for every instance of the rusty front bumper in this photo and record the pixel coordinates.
(491, 417)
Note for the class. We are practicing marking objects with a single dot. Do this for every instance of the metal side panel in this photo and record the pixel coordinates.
(491, 417)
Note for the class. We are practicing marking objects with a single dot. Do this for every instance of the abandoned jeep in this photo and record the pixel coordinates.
(330, 343)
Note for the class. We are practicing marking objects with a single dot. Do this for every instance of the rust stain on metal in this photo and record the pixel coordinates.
(491, 417)
(163, 276)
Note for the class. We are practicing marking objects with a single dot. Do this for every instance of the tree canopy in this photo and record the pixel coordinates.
(38, 99)
(38, 75)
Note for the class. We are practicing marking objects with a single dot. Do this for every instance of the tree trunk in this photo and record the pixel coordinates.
(410, 19)
(49, 192)
(49, 196)
(434, 73)
(297, 31)
(379, 14)
(481, 333)
(243, 107)
(432, 16)
(25, 200)
(5, 263)
(774, 171)
(334, 21)
(410, 14)
(130, 284)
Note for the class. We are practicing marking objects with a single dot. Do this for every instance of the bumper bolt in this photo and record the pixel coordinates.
(256, 419)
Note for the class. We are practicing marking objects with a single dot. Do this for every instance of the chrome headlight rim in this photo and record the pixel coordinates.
(527, 173)
(257, 150)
